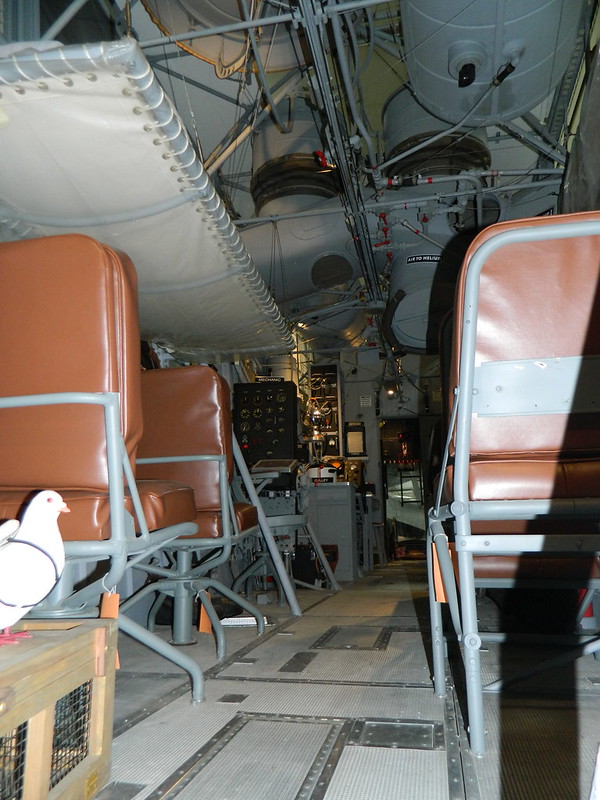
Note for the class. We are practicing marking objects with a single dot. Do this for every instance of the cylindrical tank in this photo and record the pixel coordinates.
(422, 284)
(454, 50)
(532, 202)
(290, 165)
(283, 366)
(291, 175)
(278, 44)
(423, 271)
(407, 124)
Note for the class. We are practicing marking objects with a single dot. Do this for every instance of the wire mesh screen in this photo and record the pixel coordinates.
(70, 743)
(12, 763)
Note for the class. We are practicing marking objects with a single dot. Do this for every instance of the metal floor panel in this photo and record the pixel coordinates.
(289, 748)
(301, 758)
(314, 650)
(538, 750)
(339, 704)
(375, 603)
(407, 665)
(372, 773)
(582, 674)
(158, 745)
(332, 700)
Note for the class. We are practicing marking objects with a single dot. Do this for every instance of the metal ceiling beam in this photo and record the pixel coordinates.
(63, 19)
(534, 142)
(234, 26)
(313, 21)
(228, 146)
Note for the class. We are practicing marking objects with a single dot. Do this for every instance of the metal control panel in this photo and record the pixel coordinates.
(265, 420)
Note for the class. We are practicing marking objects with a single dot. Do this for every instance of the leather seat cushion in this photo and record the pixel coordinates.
(164, 503)
(535, 568)
(522, 478)
(210, 525)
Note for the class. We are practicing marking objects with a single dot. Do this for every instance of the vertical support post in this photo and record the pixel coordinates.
(183, 601)
(322, 557)
(438, 641)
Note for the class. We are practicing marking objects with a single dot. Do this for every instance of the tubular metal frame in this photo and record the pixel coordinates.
(124, 549)
(461, 511)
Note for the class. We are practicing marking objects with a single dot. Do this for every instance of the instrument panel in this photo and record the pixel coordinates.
(265, 419)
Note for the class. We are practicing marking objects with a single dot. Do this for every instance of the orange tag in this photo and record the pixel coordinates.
(440, 589)
(109, 609)
(109, 605)
(204, 625)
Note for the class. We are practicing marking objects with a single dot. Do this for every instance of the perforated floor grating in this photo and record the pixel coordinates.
(338, 705)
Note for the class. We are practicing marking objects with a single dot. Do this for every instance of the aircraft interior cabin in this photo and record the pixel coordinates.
(300, 400)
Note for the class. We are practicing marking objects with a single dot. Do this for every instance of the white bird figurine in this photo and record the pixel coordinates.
(32, 558)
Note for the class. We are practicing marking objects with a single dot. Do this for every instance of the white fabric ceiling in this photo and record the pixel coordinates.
(90, 143)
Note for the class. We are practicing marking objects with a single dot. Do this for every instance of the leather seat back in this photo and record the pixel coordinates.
(187, 412)
(69, 323)
(538, 300)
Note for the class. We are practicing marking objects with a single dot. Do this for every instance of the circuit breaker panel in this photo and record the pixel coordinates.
(265, 420)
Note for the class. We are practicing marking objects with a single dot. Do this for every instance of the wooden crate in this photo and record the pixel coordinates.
(56, 710)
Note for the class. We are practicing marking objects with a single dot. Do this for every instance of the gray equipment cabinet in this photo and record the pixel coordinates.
(332, 516)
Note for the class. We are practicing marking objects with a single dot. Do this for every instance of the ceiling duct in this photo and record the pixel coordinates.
(454, 51)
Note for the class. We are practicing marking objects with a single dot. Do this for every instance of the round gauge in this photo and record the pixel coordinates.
(257, 412)
(244, 413)
(245, 426)
(257, 400)
(257, 426)
(281, 397)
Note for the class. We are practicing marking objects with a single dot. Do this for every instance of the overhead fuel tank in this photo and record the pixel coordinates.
(277, 44)
(407, 124)
(453, 52)
(426, 234)
(291, 176)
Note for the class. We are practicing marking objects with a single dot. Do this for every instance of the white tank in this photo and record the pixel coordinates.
(278, 44)
(406, 124)
(289, 177)
(422, 287)
(453, 50)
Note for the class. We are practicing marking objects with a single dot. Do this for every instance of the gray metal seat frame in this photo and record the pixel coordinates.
(184, 582)
(453, 519)
(124, 549)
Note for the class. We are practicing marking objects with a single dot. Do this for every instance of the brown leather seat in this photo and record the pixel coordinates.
(520, 497)
(69, 324)
(528, 314)
(187, 412)
(187, 415)
(69, 328)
